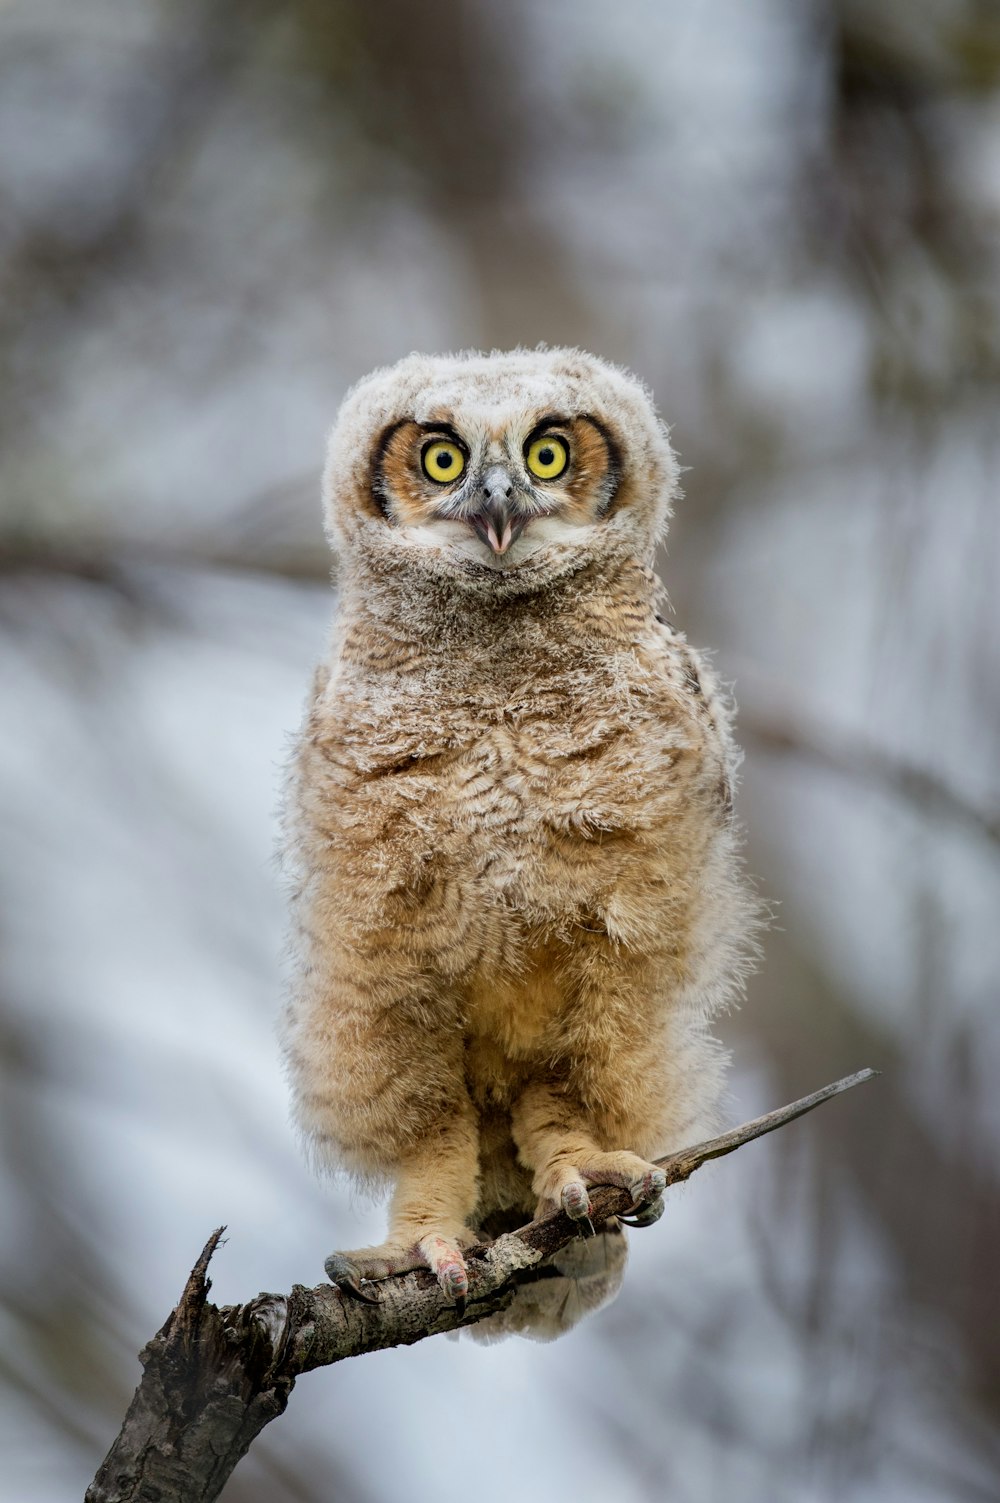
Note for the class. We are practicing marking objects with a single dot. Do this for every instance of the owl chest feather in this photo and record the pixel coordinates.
(529, 810)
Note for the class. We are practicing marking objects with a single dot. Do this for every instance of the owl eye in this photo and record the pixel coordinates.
(443, 462)
(547, 457)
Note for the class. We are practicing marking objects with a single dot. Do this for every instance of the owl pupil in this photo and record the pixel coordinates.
(445, 461)
(545, 456)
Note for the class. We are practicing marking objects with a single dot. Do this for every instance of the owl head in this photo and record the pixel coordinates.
(498, 471)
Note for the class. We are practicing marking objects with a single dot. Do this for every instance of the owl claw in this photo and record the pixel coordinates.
(347, 1277)
(643, 1213)
(347, 1286)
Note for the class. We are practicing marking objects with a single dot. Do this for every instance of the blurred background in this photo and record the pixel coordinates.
(785, 216)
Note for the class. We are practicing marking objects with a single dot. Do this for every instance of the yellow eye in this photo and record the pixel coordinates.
(547, 457)
(442, 461)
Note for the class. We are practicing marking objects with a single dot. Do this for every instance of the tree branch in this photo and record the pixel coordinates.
(213, 1378)
(864, 762)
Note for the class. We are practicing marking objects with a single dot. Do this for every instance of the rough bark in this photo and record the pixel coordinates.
(213, 1378)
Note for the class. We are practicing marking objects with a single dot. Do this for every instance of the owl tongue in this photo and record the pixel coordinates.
(498, 525)
(499, 545)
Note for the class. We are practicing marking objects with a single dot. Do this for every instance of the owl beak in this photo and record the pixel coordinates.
(496, 521)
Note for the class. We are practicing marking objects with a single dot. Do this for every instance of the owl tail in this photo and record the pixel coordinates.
(578, 1280)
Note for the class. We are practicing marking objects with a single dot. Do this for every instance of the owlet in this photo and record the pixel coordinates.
(518, 900)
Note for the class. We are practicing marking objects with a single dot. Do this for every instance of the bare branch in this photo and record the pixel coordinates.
(682, 1165)
(863, 762)
(107, 562)
(215, 1377)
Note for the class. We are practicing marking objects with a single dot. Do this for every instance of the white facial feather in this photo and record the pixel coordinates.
(459, 540)
(483, 394)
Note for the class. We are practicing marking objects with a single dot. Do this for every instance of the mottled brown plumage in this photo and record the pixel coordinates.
(518, 899)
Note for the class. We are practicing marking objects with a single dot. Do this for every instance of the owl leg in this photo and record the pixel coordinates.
(435, 1193)
(554, 1141)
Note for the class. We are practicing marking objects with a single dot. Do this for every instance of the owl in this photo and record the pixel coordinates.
(517, 893)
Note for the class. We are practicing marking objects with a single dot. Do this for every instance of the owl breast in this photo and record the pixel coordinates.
(489, 838)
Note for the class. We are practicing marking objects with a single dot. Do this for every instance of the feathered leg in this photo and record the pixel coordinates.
(376, 1057)
(435, 1193)
(551, 1132)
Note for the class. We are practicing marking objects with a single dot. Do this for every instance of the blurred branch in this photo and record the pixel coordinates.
(214, 1378)
(106, 563)
(864, 762)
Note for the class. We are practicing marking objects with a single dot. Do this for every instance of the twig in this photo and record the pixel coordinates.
(214, 1377)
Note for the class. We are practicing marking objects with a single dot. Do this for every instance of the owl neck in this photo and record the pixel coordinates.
(396, 620)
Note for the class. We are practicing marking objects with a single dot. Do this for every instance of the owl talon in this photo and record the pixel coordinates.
(643, 1213)
(355, 1291)
(585, 1227)
(347, 1277)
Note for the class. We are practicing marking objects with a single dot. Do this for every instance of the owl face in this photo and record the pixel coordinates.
(482, 486)
(498, 466)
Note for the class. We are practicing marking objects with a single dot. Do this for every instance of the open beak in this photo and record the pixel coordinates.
(498, 526)
(496, 521)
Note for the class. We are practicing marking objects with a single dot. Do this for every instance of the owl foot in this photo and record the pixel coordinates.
(626, 1171)
(350, 1271)
(647, 1197)
(646, 1188)
(567, 1186)
(355, 1272)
